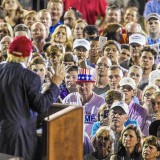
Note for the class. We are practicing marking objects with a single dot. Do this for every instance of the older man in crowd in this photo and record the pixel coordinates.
(102, 66)
(86, 97)
(118, 115)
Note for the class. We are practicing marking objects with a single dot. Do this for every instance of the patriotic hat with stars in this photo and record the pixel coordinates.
(84, 76)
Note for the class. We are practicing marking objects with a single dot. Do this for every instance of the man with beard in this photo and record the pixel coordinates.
(136, 112)
(113, 15)
(4, 46)
(102, 66)
(56, 10)
(136, 42)
(147, 61)
(38, 34)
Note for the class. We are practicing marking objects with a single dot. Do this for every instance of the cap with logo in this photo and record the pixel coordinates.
(121, 104)
(137, 38)
(81, 43)
(127, 81)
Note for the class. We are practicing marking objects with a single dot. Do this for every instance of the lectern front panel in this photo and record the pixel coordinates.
(65, 134)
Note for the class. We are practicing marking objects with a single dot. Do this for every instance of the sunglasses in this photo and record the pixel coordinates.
(105, 138)
(148, 95)
(155, 103)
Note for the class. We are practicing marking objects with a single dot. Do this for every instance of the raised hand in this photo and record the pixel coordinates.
(59, 75)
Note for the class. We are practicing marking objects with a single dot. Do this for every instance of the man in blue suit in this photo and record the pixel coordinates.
(20, 94)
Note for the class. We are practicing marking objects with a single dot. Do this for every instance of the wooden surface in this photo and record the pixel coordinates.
(65, 134)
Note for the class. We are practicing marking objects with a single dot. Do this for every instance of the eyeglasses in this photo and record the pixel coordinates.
(104, 138)
(148, 95)
(100, 65)
(155, 103)
(126, 88)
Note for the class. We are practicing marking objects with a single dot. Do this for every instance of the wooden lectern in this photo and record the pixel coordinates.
(63, 134)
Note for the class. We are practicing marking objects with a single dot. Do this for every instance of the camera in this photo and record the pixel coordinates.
(105, 115)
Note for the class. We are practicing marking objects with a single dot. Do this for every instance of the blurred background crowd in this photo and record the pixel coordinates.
(110, 49)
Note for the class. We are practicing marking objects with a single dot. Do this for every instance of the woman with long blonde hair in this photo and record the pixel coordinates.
(15, 12)
(63, 35)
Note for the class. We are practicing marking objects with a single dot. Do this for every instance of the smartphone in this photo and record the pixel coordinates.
(105, 114)
(102, 41)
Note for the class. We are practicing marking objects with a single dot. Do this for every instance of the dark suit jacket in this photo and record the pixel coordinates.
(20, 96)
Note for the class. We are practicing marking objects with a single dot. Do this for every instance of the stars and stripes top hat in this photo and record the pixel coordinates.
(85, 75)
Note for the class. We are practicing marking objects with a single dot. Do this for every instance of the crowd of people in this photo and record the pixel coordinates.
(102, 55)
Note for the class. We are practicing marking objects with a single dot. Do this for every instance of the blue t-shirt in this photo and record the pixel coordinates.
(52, 28)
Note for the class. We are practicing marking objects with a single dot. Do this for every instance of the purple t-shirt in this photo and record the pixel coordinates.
(90, 108)
(138, 113)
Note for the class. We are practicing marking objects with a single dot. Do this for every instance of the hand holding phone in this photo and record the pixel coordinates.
(105, 114)
(102, 41)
